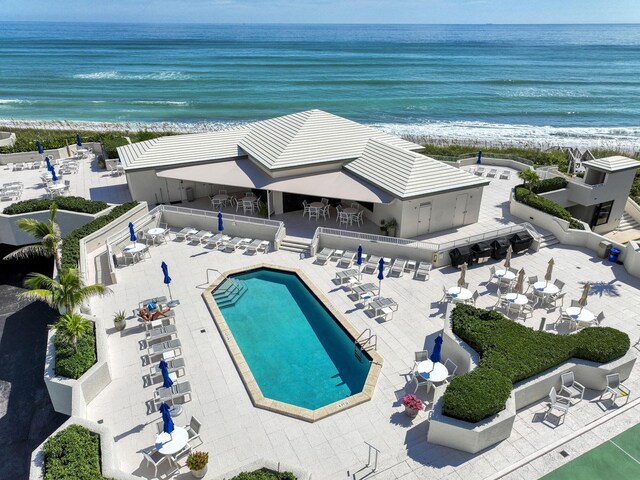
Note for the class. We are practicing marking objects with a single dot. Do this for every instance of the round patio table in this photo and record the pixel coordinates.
(516, 298)
(459, 293)
(134, 248)
(350, 211)
(172, 443)
(435, 372)
(506, 274)
(546, 288)
(316, 205)
(580, 314)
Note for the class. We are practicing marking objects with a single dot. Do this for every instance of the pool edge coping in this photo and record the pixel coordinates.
(257, 398)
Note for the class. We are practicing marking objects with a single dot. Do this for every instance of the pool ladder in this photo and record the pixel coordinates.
(229, 292)
(366, 341)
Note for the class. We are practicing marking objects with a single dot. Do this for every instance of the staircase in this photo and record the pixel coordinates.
(296, 244)
(227, 294)
(627, 223)
(548, 240)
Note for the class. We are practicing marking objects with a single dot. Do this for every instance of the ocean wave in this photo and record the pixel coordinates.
(543, 93)
(116, 75)
(162, 102)
(9, 101)
(624, 139)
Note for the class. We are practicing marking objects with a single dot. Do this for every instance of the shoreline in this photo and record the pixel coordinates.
(481, 134)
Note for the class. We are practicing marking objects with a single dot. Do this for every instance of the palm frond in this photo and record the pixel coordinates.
(40, 295)
(29, 251)
(35, 281)
(35, 228)
(97, 289)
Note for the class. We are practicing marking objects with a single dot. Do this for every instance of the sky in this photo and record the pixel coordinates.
(325, 11)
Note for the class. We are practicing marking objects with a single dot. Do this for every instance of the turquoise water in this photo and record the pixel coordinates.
(295, 349)
(561, 83)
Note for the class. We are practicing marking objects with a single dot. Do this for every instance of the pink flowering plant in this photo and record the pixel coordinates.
(412, 402)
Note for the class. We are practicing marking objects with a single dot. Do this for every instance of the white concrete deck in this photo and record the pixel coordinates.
(89, 182)
(235, 433)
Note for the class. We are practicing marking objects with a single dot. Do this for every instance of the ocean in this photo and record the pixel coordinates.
(540, 84)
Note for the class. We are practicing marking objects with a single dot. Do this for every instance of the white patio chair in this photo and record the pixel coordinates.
(344, 219)
(600, 318)
(557, 402)
(451, 369)
(193, 429)
(314, 212)
(569, 386)
(155, 458)
(559, 284)
(446, 296)
(247, 206)
(492, 275)
(473, 299)
(325, 212)
(338, 212)
(419, 381)
(324, 201)
(359, 217)
(423, 270)
(305, 208)
(616, 388)
(418, 357)
(372, 264)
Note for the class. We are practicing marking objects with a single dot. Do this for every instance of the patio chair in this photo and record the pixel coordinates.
(559, 284)
(252, 248)
(553, 299)
(359, 217)
(372, 263)
(492, 274)
(338, 210)
(305, 208)
(161, 332)
(557, 402)
(446, 296)
(473, 299)
(215, 241)
(423, 270)
(532, 280)
(564, 319)
(347, 258)
(199, 236)
(492, 173)
(235, 243)
(398, 266)
(569, 386)
(600, 319)
(155, 458)
(324, 201)
(419, 381)
(167, 394)
(616, 388)
(173, 366)
(451, 369)
(184, 233)
(164, 347)
(324, 255)
(505, 175)
(314, 212)
(575, 303)
(479, 171)
(420, 356)
(193, 429)
(344, 219)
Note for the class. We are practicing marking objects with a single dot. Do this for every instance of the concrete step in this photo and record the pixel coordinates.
(627, 223)
(295, 244)
(548, 240)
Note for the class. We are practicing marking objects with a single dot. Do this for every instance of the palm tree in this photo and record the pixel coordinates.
(529, 177)
(71, 327)
(46, 233)
(65, 294)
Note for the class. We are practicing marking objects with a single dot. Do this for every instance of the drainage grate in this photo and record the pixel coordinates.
(202, 331)
(100, 421)
(564, 453)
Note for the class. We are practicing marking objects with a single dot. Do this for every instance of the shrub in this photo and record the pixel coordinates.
(71, 243)
(515, 353)
(73, 362)
(197, 460)
(71, 204)
(545, 205)
(477, 395)
(72, 454)
(265, 474)
(549, 184)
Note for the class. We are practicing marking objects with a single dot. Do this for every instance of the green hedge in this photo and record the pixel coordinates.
(71, 204)
(549, 185)
(73, 454)
(265, 474)
(72, 363)
(71, 243)
(516, 353)
(545, 205)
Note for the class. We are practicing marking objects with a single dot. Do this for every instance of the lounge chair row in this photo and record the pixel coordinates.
(492, 173)
(221, 241)
(347, 258)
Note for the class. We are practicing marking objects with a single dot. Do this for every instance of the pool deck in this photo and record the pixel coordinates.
(236, 433)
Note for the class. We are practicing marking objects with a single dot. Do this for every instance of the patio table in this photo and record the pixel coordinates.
(459, 293)
(155, 232)
(580, 314)
(434, 372)
(506, 274)
(134, 248)
(350, 211)
(316, 205)
(516, 298)
(546, 288)
(219, 200)
(172, 443)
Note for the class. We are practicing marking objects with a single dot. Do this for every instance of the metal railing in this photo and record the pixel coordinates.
(369, 237)
(227, 216)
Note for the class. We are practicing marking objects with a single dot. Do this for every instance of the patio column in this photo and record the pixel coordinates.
(268, 204)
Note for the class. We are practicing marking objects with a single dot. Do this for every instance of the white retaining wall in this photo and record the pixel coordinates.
(7, 139)
(54, 153)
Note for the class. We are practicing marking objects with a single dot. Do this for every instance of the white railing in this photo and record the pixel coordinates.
(369, 237)
(227, 216)
(280, 234)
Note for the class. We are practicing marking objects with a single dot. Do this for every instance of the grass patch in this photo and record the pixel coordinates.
(510, 352)
(538, 157)
(72, 363)
(73, 454)
(71, 204)
(71, 243)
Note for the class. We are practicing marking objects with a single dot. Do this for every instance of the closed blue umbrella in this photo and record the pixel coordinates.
(54, 177)
(479, 161)
(132, 234)
(167, 278)
(164, 368)
(78, 141)
(380, 274)
(360, 260)
(436, 354)
(39, 147)
(167, 421)
(48, 162)
(220, 224)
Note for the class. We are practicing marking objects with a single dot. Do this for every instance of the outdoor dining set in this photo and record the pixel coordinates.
(11, 191)
(345, 215)
(247, 201)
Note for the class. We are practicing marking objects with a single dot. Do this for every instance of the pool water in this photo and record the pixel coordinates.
(297, 351)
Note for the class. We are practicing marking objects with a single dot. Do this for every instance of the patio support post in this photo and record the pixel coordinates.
(268, 205)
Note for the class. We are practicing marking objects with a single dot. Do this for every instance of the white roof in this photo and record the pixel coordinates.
(613, 164)
(311, 137)
(245, 173)
(180, 149)
(408, 174)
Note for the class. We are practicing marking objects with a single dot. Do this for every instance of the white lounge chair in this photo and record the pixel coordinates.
(372, 263)
(235, 243)
(199, 236)
(167, 394)
(479, 171)
(324, 255)
(423, 271)
(185, 232)
(214, 241)
(347, 258)
(492, 173)
(252, 248)
(505, 175)
(398, 267)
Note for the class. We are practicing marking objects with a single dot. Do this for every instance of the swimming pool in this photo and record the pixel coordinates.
(298, 351)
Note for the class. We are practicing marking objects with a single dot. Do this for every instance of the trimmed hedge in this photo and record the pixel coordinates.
(549, 185)
(71, 204)
(516, 352)
(71, 243)
(265, 474)
(73, 454)
(71, 363)
(524, 195)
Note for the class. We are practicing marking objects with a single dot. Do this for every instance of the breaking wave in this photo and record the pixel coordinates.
(116, 75)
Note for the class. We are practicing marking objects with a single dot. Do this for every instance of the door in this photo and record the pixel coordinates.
(424, 218)
(461, 209)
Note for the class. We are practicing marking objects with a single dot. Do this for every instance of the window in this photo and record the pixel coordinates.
(602, 213)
